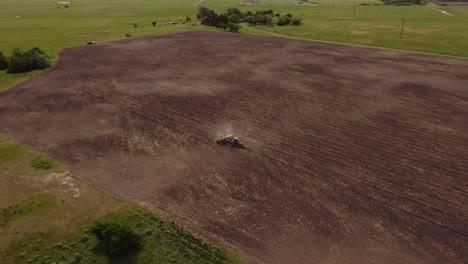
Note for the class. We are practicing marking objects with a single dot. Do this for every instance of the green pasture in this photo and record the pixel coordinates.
(26, 24)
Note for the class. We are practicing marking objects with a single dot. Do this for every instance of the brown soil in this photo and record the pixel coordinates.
(353, 155)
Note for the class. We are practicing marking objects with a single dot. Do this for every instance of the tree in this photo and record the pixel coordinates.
(296, 21)
(234, 18)
(3, 62)
(284, 20)
(233, 27)
(250, 19)
(260, 19)
(232, 11)
(221, 25)
(187, 19)
(223, 18)
(41, 61)
(248, 13)
(203, 12)
(154, 23)
(32, 59)
(115, 239)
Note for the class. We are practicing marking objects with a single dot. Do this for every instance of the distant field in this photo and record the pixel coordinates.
(41, 23)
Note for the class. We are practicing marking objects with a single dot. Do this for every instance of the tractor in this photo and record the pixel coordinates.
(230, 140)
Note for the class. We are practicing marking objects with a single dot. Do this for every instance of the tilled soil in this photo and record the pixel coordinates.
(353, 155)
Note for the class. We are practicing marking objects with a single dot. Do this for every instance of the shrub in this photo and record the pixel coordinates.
(221, 25)
(234, 18)
(3, 62)
(115, 239)
(289, 15)
(32, 59)
(203, 12)
(296, 21)
(232, 11)
(260, 19)
(128, 35)
(233, 27)
(248, 13)
(154, 23)
(250, 19)
(188, 19)
(41, 164)
(284, 20)
(41, 61)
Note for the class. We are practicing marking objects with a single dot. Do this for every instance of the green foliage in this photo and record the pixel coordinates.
(154, 23)
(234, 18)
(248, 13)
(203, 12)
(42, 163)
(284, 20)
(188, 19)
(3, 62)
(260, 19)
(115, 239)
(234, 11)
(296, 21)
(233, 27)
(30, 60)
(250, 19)
(128, 35)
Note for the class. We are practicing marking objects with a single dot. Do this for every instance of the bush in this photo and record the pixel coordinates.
(232, 11)
(187, 19)
(3, 62)
(154, 23)
(32, 59)
(128, 35)
(296, 21)
(233, 27)
(115, 239)
(250, 19)
(203, 12)
(41, 163)
(284, 20)
(234, 18)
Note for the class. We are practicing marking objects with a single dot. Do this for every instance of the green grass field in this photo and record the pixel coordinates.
(26, 24)
(44, 216)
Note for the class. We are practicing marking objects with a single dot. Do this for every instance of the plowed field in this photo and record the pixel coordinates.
(353, 155)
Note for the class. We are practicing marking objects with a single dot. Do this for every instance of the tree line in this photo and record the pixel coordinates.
(19, 62)
(232, 17)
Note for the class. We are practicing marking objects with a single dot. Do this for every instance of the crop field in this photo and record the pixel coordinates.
(26, 24)
(353, 155)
